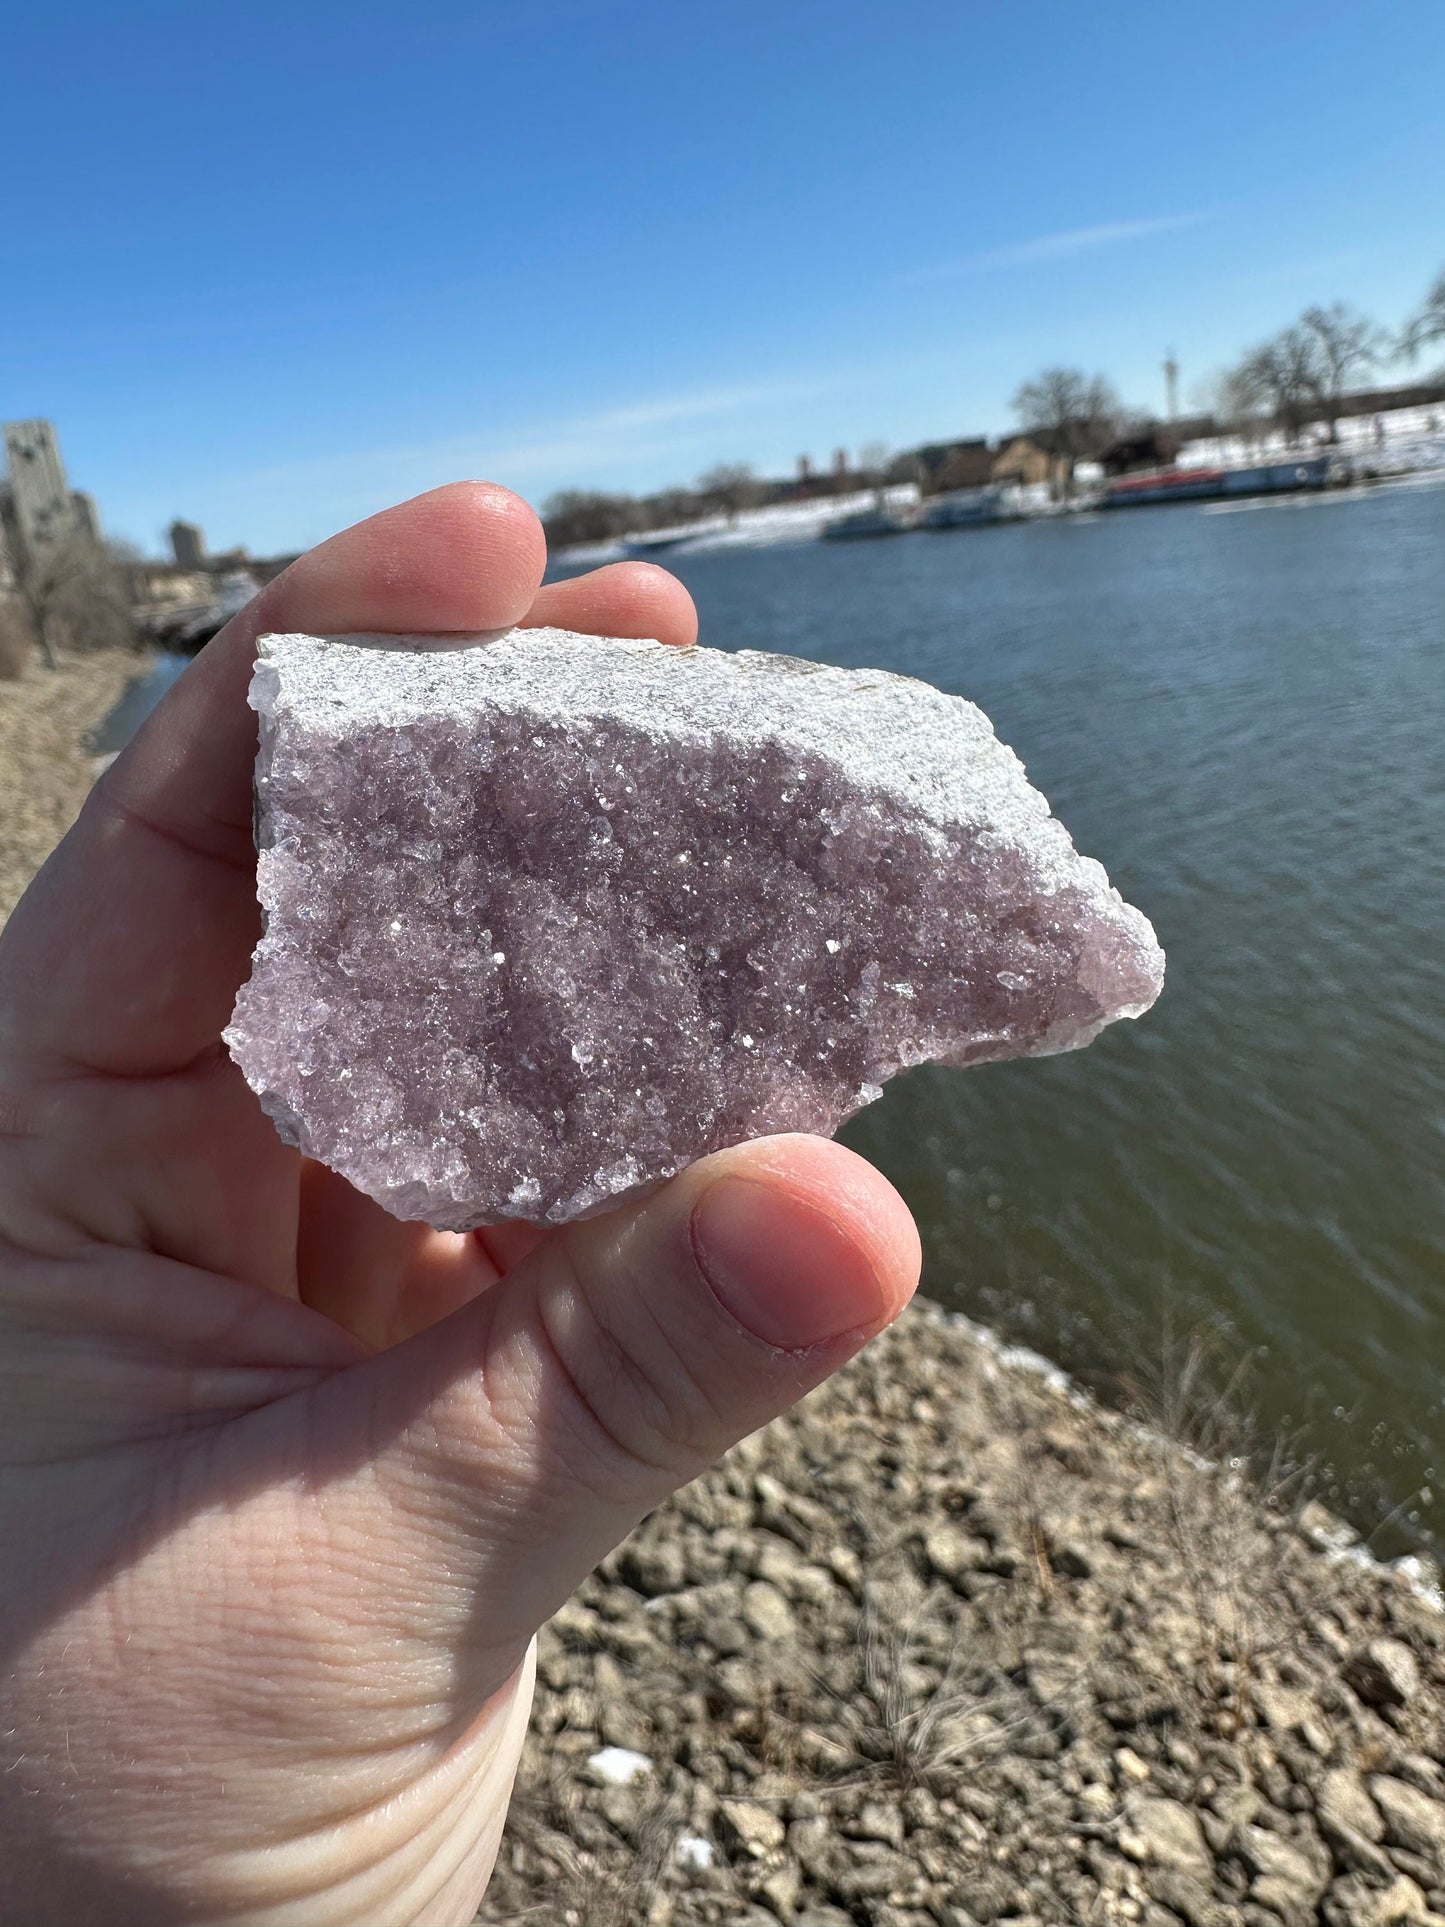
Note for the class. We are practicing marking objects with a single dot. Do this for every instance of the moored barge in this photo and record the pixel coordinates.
(1213, 484)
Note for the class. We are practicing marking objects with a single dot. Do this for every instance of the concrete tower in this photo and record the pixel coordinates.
(188, 545)
(42, 510)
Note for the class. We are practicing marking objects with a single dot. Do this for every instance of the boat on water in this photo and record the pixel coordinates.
(861, 523)
(641, 546)
(1212, 484)
(972, 508)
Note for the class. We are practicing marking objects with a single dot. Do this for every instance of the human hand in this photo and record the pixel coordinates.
(286, 1486)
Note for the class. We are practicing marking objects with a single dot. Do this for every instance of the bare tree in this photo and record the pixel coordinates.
(1301, 374)
(906, 466)
(1344, 344)
(731, 486)
(1230, 402)
(1075, 415)
(75, 595)
(1276, 380)
(576, 515)
(1429, 323)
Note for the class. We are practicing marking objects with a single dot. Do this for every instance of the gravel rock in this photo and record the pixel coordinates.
(1169, 1834)
(780, 1890)
(1383, 1673)
(1189, 1898)
(767, 1612)
(654, 1568)
(1354, 1903)
(951, 1551)
(870, 1879)
(1412, 1819)
(1287, 1878)
(750, 1829)
(1071, 1558)
(877, 1821)
(1270, 1854)
(1342, 1804)
(907, 1747)
(1283, 1709)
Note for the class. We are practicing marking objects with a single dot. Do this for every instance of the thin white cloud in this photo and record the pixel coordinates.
(523, 450)
(1061, 247)
(683, 408)
(337, 488)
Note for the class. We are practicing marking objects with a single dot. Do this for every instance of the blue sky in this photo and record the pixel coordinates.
(272, 267)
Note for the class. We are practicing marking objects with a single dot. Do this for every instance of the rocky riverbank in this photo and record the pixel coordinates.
(950, 1645)
(44, 770)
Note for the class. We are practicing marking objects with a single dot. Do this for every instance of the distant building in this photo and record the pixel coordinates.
(38, 509)
(1030, 459)
(808, 483)
(188, 545)
(161, 585)
(87, 516)
(1147, 447)
(942, 466)
(41, 511)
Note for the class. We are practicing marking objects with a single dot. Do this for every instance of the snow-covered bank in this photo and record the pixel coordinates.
(783, 522)
(1394, 442)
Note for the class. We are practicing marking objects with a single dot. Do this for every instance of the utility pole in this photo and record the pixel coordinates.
(1171, 387)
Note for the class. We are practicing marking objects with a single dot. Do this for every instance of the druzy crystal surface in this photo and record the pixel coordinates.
(549, 916)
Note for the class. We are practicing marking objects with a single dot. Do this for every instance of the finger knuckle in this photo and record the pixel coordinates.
(633, 1407)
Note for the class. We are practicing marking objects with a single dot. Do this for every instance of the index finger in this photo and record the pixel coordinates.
(125, 955)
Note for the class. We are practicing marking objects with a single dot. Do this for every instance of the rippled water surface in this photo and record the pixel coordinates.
(1243, 715)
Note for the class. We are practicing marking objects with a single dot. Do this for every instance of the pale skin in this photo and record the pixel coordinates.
(286, 1486)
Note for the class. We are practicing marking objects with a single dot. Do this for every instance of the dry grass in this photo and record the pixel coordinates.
(44, 772)
(16, 644)
(1196, 1396)
(908, 1723)
(610, 1882)
(1217, 1488)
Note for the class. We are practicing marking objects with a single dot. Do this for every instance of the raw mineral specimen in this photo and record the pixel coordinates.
(550, 916)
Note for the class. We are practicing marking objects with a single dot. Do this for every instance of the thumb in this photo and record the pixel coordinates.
(511, 1446)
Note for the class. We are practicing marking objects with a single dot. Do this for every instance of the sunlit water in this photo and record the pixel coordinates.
(136, 703)
(1243, 716)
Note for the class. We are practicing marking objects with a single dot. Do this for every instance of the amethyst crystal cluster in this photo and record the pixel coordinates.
(550, 916)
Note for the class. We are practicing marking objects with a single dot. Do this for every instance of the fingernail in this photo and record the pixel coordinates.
(781, 1266)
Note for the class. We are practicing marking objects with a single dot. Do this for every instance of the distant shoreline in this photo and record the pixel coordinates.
(792, 524)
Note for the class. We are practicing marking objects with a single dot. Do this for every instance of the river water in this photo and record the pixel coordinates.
(1242, 713)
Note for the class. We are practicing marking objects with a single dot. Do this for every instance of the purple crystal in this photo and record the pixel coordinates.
(550, 916)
